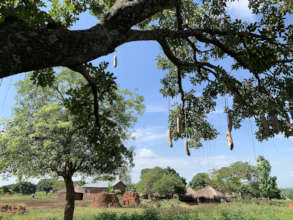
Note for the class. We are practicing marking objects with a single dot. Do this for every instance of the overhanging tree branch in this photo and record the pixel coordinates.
(82, 69)
(23, 48)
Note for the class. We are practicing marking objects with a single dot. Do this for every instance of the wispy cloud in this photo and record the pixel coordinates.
(186, 166)
(141, 135)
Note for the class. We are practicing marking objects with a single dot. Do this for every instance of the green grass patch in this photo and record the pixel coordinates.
(38, 195)
(173, 209)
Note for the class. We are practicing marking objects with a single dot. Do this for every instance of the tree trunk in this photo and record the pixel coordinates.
(69, 207)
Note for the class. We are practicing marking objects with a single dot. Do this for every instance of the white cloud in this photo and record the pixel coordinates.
(146, 154)
(185, 166)
(239, 9)
(141, 135)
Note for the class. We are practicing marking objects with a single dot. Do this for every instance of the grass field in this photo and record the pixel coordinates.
(163, 210)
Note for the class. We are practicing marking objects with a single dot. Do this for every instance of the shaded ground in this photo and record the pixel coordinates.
(52, 203)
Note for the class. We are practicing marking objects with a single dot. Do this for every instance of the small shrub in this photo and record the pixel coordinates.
(151, 214)
(234, 215)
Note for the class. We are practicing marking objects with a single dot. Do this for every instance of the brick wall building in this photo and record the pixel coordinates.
(91, 190)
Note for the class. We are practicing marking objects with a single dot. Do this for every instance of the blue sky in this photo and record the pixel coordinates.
(137, 68)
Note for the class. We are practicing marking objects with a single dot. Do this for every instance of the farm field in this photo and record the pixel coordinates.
(52, 209)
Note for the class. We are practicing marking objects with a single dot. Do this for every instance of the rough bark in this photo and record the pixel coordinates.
(70, 202)
(23, 48)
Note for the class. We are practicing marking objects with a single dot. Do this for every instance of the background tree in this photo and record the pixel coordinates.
(24, 188)
(80, 182)
(105, 178)
(45, 185)
(196, 37)
(159, 180)
(237, 177)
(45, 138)
(267, 185)
(58, 185)
(124, 175)
(169, 185)
(200, 181)
(173, 172)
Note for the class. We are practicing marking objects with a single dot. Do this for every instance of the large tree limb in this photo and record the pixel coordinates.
(23, 48)
(201, 35)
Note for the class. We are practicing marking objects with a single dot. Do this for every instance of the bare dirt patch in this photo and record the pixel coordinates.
(40, 204)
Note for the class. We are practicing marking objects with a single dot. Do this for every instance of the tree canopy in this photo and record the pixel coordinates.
(239, 177)
(46, 137)
(196, 37)
(200, 181)
(267, 184)
(20, 187)
(45, 185)
(164, 181)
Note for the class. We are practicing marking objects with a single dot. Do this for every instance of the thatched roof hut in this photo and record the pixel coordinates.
(207, 194)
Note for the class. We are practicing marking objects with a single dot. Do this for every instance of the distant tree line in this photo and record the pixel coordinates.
(242, 178)
(44, 185)
(239, 178)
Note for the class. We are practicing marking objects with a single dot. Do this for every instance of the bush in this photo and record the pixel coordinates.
(24, 188)
(45, 185)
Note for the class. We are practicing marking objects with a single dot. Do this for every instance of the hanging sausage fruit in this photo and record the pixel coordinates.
(186, 147)
(228, 133)
(178, 125)
(229, 140)
(169, 138)
(115, 61)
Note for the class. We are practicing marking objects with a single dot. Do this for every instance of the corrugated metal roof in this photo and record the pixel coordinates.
(100, 184)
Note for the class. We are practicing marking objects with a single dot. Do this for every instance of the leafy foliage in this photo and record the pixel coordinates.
(45, 185)
(21, 187)
(239, 177)
(200, 181)
(24, 188)
(197, 74)
(58, 185)
(197, 38)
(242, 178)
(158, 180)
(44, 131)
(53, 131)
(267, 184)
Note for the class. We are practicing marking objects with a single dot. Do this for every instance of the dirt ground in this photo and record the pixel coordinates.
(52, 203)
